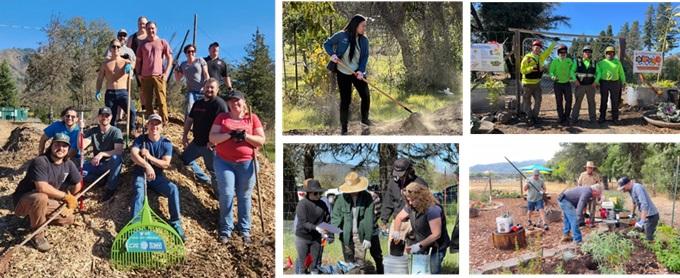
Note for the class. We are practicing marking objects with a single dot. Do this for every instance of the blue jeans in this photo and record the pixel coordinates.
(119, 98)
(114, 163)
(570, 220)
(164, 187)
(436, 259)
(239, 179)
(192, 97)
(191, 153)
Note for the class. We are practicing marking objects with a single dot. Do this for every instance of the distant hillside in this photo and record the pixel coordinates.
(504, 167)
(18, 62)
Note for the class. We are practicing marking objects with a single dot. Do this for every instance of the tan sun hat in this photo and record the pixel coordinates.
(590, 164)
(354, 183)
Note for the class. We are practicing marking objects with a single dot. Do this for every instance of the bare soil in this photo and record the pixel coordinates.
(83, 249)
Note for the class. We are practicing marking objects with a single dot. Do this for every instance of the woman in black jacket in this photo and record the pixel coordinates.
(310, 212)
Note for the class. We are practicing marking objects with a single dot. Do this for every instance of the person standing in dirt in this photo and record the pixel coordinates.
(217, 68)
(138, 37)
(151, 155)
(393, 199)
(125, 52)
(349, 48)
(649, 214)
(195, 72)
(69, 125)
(531, 68)
(611, 78)
(588, 178)
(150, 55)
(353, 214)
(561, 74)
(199, 120)
(51, 177)
(584, 69)
(428, 221)
(236, 135)
(309, 213)
(535, 187)
(107, 145)
(572, 202)
(116, 71)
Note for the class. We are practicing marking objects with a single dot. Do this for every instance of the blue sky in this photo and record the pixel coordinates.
(231, 23)
(591, 18)
(439, 164)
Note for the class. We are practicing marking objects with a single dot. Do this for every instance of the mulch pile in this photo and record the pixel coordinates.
(83, 249)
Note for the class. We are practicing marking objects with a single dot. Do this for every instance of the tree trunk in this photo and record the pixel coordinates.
(289, 185)
(309, 156)
(395, 15)
(388, 154)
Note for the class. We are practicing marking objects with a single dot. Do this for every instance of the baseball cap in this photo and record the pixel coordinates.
(400, 166)
(122, 31)
(154, 117)
(213, 44)
(104, 110)
(62, 137)
(622, 182)
(235, 94)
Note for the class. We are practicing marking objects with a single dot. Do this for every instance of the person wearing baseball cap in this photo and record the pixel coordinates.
(107, 146)
(393, 198)
(585, 69)
(535, 188)
(353, 213)
(611, 78)
(532, 70)
(125, 52)
(51, 179)
(151, 154)
(218, 68)
(562, 76)
(649, 214)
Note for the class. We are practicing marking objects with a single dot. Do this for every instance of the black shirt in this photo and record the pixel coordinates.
(393, 200)
(204, 113)
(217, 68)
(310, 214)
(43, 169)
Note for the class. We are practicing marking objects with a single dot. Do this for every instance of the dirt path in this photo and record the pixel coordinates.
(631, 122)
(445, 121)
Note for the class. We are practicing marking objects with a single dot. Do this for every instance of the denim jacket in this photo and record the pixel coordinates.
(338, 43)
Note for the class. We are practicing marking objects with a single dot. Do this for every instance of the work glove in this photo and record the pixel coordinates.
(334, 58)
(98, 95)
(640, 224)
(329, 238)
(320, 230)
(239, 135)
(70, 201)
(366, 244)
(128, 68)
(396, 236)
(415, 248)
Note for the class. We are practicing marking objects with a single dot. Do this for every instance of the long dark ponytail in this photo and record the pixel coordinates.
(351, 29)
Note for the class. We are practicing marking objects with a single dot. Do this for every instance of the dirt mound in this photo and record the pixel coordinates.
(84, 248)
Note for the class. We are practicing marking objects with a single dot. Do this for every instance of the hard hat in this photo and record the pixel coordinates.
(609, 49)
(587, 48)
(561, 47)
(537, 43)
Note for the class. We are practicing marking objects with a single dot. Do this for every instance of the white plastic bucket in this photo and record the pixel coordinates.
(503, 224)
(631, 96)
(420, 264)
(396, 265)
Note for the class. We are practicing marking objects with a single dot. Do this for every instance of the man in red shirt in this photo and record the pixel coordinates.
(149, 66)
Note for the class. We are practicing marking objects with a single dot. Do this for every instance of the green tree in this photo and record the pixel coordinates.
(665, 28)
(255, 77)
(633, 40)
(649, 36)
(8, 89)
(671, 68)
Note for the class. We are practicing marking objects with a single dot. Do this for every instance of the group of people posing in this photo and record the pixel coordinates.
(586, 75)
(418, 220)
(579, 203)
(226, 134)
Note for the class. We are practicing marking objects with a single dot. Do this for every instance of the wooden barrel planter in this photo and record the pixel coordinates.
(474, 212)
(510, 241)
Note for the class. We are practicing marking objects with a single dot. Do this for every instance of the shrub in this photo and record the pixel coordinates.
(667, 247)
(609, 250)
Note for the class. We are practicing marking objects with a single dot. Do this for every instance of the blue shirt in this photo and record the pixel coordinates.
(642, 201)
(338, 44)
(579, 198)
(157, 149)
(60, 127)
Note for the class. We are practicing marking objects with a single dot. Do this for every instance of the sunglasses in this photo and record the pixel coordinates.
(313, 193)
(116, 46)
(191, 51)
(70, 116)
(562, 52)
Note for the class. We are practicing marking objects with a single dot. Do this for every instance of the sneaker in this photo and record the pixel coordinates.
(366, 122)
(40, 243)
(247, 240)
(566, 238)
(224, 239)
(344, 131)
(108, 194)
(545, 227)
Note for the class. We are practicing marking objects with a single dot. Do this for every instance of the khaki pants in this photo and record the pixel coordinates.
(154, 87)
(589, 92)
(532, 90)
(38, 207)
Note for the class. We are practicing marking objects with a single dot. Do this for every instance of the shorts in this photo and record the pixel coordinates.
(535, 206)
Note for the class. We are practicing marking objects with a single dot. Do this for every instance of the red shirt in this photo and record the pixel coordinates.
(231, 150)
(150, 57)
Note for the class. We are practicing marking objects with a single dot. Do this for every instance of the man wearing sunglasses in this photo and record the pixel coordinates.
(125, 52)
(561, 74)
(393, 198)
(116, 70)
(68, 125)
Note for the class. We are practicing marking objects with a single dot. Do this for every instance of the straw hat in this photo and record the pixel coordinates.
(354, 183)
(590, 164)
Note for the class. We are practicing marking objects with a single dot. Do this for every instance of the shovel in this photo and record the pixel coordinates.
(6, 258)
(378, 89)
